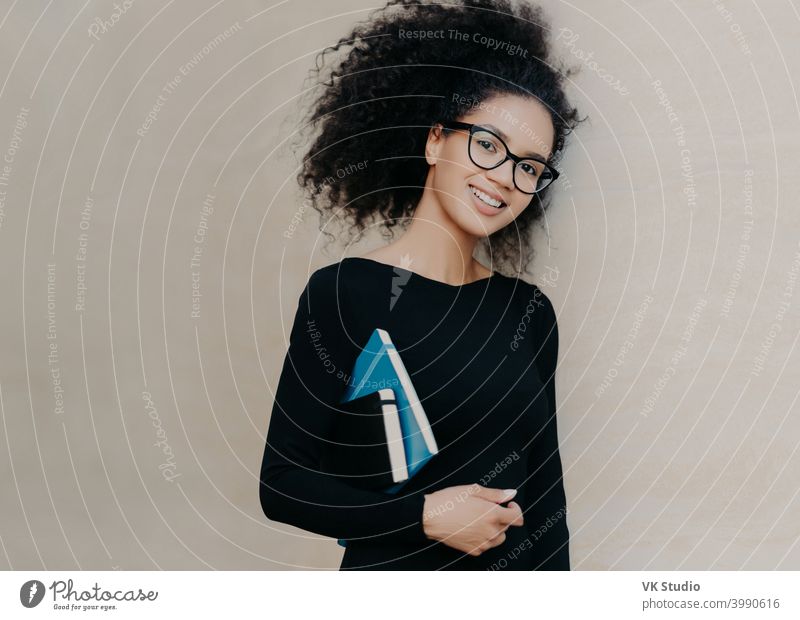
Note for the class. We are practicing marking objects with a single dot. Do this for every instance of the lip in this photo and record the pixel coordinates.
(491, 193)
(481, 206)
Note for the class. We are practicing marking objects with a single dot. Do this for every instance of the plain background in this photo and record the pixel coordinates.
(676, 294)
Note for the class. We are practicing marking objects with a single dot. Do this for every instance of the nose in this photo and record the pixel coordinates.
(503, 175)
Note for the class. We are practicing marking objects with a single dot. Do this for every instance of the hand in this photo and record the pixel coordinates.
(469, 517)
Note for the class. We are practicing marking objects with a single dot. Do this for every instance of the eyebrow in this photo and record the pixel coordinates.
(502, 134)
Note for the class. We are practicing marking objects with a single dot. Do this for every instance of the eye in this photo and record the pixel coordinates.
(486, 144)
(528, 168)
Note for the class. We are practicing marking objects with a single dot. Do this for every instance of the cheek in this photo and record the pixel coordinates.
(450, 179)
(455, 164)
(452, 171)
(518, 205)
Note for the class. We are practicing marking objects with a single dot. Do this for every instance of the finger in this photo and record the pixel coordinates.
(498, 496)
(511, 515)
(520, 520)
(498, 540)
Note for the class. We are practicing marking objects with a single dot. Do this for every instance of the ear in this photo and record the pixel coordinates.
(434, 144)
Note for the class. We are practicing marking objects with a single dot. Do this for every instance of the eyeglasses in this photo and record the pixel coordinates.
(487, 150)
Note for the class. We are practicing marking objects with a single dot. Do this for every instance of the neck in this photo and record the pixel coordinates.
(436, 246)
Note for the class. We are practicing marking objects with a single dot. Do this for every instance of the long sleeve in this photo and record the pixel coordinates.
(545, 512)
(293, 489)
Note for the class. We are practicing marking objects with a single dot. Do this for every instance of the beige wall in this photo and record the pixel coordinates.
(684, 458)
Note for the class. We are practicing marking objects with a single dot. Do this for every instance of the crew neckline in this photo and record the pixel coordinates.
(425, 278)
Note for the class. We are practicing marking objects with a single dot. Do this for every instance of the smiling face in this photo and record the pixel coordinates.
(481, 201)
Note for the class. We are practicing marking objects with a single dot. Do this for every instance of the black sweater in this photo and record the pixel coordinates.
(482, 358)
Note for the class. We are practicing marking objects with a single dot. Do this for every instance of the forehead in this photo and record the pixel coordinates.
(523, 122)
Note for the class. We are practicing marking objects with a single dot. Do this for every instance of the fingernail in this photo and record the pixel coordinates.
(510, 492)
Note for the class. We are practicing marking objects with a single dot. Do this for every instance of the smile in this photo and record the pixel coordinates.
(485, 198)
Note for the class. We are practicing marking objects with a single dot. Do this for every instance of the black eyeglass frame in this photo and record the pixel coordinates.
(473, 127)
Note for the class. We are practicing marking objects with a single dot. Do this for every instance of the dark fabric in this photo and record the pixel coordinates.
(482, 358)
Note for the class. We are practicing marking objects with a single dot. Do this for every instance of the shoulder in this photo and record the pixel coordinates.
(545, 340)
(548, 314)
(534, 301)
(336, 281)
(340, 273)
(323, 277)
(320, 290)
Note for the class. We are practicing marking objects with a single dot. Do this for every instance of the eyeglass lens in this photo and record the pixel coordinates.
(487, 151)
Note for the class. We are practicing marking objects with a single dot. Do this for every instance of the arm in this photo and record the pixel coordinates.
(545, 500)
(292, 487)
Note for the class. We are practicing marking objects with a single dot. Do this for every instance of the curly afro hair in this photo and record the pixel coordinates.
(393, 77)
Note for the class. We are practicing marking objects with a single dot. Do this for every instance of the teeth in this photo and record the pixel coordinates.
(485, 197)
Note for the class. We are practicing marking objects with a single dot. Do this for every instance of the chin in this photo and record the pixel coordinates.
(471, 224)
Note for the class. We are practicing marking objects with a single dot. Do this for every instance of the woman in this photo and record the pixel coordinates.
(448, 120)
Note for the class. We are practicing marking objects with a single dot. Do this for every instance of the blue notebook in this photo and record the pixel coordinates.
(378, 367)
